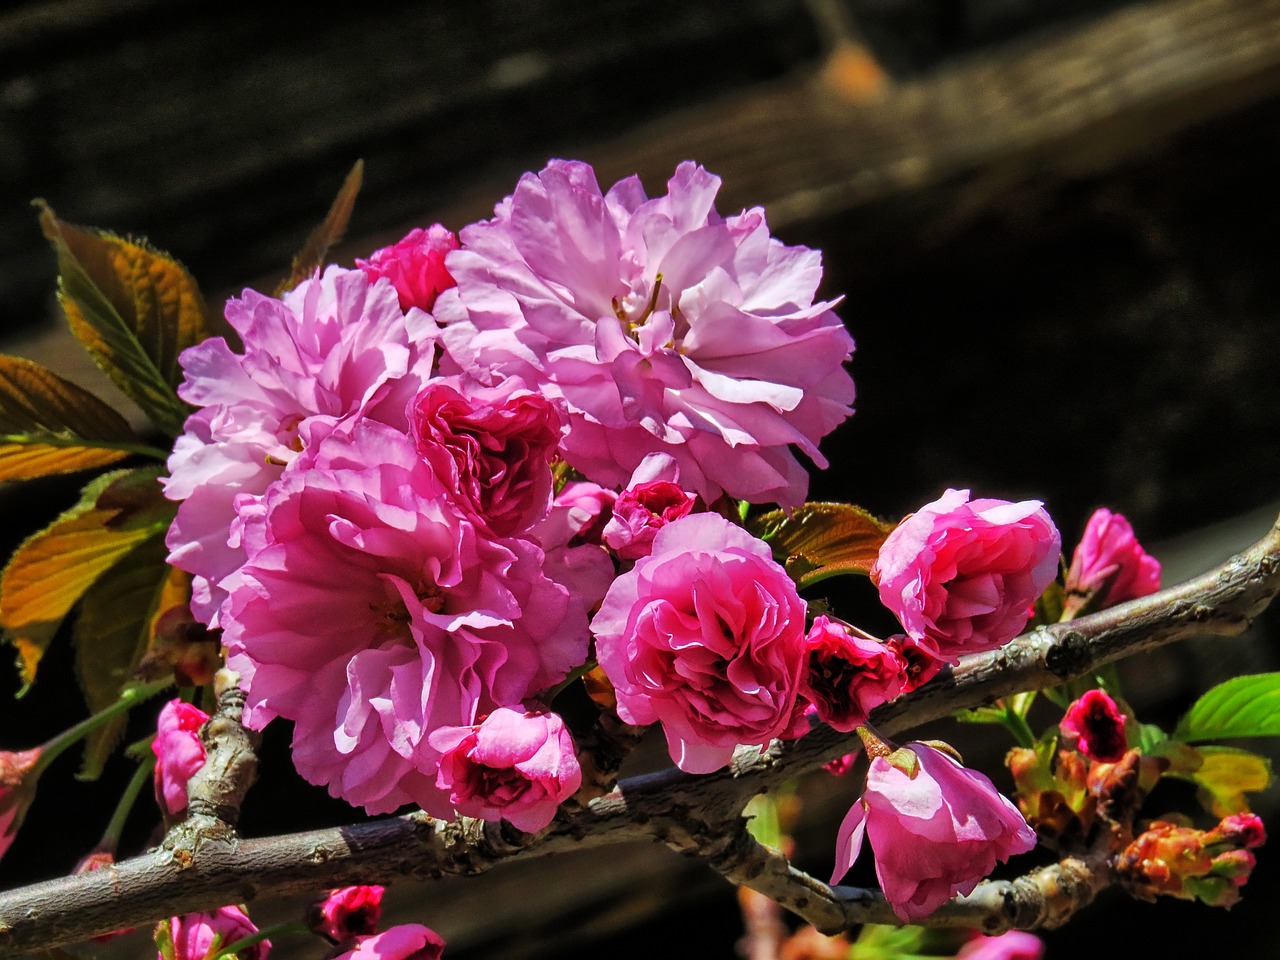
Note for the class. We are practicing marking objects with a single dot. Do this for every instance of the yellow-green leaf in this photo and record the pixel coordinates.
(820, 540)
(111, 633)
(134, 308)
(311, 257)
(52, 569)
(1225, 775)
(49, 425)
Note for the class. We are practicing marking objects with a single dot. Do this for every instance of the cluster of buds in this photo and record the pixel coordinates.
(1180, 861)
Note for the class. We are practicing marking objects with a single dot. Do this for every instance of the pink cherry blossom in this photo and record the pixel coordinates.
(1010, 945)
(517, 765)
(935, 833)
(962, 576)
(17, 790)
(1110, 561)
(1094, 725)
(371, 611)
(334, 348)
(179, 754)
(706, 635)
(848, 676)
(492, 446)
(653, 499)
(415, 265)
(199, 936)
(347, 913)
(408, 941)
(661, 326)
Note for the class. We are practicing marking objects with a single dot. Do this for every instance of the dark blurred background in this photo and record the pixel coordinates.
(1051, 223)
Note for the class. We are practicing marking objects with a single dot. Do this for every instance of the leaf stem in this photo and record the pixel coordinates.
(280, 929)
(111, 836)
(129, 698)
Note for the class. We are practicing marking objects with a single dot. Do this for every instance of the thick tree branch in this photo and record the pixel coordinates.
(670, 806)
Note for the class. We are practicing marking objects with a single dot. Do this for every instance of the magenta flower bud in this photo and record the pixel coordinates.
(17, 790)
(415, 265)
(934, 834)
(848, 676)
(408, 941)
(1011, 945)
(199, 936)
(840, 765)
(1095, 725)
(1110, 564)
(653, 499)
(179, 754)
(1241, 830)
(347, 913)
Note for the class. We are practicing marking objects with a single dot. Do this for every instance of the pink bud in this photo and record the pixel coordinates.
(347, 913)
(179, 754)
(199, 936)
(415, 266)
(1110, 563)
(17, 790)
(1095, 725)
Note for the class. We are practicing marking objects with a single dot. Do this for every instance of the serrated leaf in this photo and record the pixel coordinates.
(112, 631)
(820, 540)
(311, 257)
(49, 425)
(134, 308)
(1246, 706)
(1225, 775)
(52, 569)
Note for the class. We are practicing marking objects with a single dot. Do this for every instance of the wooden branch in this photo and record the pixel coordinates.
(679, 809)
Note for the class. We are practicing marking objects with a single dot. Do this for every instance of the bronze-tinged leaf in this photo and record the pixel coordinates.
(134, 308)
(111, 633)
(311, 257)
(52, 569)
(820, 540)
(49, 425)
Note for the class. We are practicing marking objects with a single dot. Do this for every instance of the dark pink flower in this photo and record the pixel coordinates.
(199, 936)
(17, 790)
(408, 941)
(653, 499)
(848, 676)
(347, 913)
(1011, 945)
(962, 576)
(1110, 564)
(179, 754)
(935, 832)
(920, 662)
(662, 327)
(490, 446)
(516, 765)
(415, 265)
(706, 635)
(1094, 725)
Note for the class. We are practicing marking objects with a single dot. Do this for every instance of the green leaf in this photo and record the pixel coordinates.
(820, 540)
(112, 631)
(1246, 706)
(311, 257)
(134, 308)
(1224, 776)
(49, 425)
(52, 569)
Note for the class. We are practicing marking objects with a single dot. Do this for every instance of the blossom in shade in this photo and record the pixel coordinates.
(347, 913)
(408, 941)
(17, 790)
(661, 326)
(517, 765)
(936, 828)
(1094, 725)
(1010, 945)
(179, 754)
(491, 446)
(371, 611)
(962, 576)
(653, 499)
(1109, 564)
(706, 635)
(334, 348)
(199, 936)
(415, 265)
(848, 676)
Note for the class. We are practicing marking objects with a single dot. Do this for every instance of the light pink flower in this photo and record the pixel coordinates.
(199, 936)
(415, 265)
(962, 576)
(179, 754)
(370, 612)
(653, 499)
(848, 676)
(334, 348)
(662, 326)
(17, 790)
(706, 635)
(1011, 945)
(1094, 725)
(934, 835)
(347, 913)
(1110, 561)
(492, 446)
(517, 765)
(408, 941)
